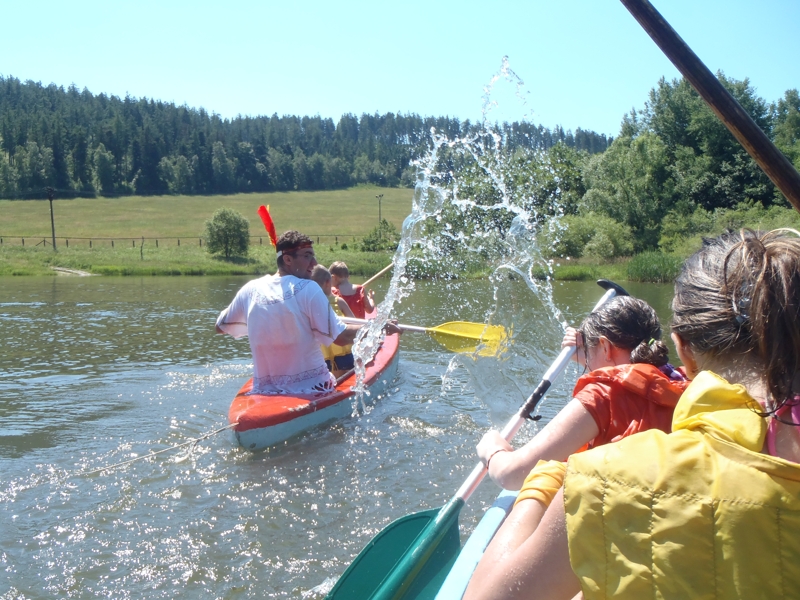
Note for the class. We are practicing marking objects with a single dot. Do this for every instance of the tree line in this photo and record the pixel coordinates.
(672, 174)
(84, 144)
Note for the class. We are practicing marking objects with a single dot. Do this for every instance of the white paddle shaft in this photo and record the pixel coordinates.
(513, 426)
(354, 321)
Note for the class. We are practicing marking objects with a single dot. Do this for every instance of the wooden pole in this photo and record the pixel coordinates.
(777, 167)
(50, 193)
(378, 274)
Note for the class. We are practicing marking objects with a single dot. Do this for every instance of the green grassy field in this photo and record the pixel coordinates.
(112, 223)
(344, 213)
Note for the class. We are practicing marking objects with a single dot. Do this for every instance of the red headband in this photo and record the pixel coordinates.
(300, 246)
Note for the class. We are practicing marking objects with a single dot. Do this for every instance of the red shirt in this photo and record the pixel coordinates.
(354, 301)
(628, 399)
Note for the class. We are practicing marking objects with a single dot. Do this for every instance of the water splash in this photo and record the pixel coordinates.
(482, 206)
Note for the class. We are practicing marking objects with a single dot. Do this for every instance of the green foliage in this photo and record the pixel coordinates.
(654, 267)
(384, 237)
(678, 226)
(683, 234)
(787, 126)
(592, 234)
(228, 233)
(630, 183)
(709, 168)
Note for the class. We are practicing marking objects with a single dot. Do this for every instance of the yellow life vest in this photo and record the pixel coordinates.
(332, 351)
(698, 513)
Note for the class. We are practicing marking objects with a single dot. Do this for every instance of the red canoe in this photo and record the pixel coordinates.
(265, 420)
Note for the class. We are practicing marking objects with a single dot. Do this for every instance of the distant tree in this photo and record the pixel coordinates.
(708, 166)
(103, 170)
(787, 126)
(384, 237)
(228, 233)
(8, 177)
(223, 169)
(34, 166)
(631, 183)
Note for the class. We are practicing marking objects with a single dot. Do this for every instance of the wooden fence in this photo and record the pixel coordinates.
(135, 242)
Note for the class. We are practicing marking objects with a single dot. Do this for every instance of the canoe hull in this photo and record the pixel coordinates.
(265, 420)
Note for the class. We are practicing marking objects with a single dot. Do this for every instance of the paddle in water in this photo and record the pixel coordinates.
(460, 336)
(410, 558)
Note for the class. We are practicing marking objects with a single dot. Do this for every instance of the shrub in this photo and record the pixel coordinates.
(592, 234)
(600, 246)
(384, 237)
(654, 267)
(228, 233)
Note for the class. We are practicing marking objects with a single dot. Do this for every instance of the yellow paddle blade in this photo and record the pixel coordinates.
(469, 338)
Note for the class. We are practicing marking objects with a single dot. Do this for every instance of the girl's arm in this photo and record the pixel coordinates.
(528, 558)
(567, 433)
(344, 307)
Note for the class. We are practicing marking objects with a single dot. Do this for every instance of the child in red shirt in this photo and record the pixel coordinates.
(359, 302)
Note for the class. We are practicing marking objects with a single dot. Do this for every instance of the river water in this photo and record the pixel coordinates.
(95, 371)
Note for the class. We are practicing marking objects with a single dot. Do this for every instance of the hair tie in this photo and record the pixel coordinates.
(651, 342)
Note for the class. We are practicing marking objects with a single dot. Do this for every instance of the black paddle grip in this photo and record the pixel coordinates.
(610, 285)
(531, 402)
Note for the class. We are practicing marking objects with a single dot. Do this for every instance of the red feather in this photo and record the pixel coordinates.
(263, 212)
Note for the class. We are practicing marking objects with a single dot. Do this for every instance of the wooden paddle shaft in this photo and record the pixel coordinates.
(378, 274)
(777, 167)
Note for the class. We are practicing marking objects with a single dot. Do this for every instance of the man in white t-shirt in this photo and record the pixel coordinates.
(287, 316)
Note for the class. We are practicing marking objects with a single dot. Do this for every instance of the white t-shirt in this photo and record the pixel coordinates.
(286, 319)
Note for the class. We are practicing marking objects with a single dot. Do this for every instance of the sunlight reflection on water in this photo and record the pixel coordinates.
(218, 521)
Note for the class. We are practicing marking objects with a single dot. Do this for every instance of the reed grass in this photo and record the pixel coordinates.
(654, 267)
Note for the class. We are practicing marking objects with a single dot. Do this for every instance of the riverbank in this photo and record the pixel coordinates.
(148, 260)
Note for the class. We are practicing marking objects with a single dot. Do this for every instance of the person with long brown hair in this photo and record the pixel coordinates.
(630, 387)
(711, 510)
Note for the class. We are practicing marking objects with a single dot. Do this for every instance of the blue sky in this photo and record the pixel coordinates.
(584, 63)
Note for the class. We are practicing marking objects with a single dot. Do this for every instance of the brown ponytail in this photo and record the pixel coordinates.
(738, 298)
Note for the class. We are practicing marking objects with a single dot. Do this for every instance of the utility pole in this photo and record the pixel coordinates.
(380, 220)
(50, 192)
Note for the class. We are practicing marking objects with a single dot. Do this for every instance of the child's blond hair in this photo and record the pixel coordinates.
(340, 269)
(321, 275)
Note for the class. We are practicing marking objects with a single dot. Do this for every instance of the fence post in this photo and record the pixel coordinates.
(1, 241)
(201, 242)
(50, 194)
(23, 241)
(179, 241)
(90, 243)
(156, 243)
(133, 243)
(260, 243)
